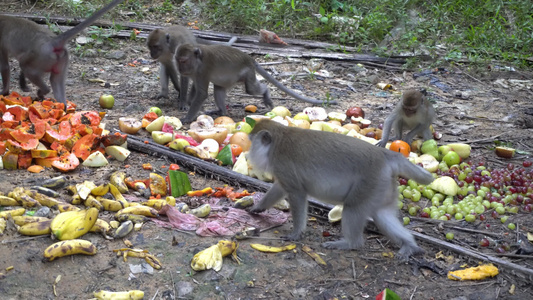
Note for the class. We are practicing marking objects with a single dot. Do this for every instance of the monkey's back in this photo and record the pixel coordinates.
(15, 34)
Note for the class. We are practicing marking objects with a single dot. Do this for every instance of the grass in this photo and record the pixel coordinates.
(450, 30)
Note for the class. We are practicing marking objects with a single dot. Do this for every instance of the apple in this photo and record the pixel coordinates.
(451, 158)
(430, 147)
(162, 137)
(243, 127)
(241, 139)
(355, 111)
(156, 110)
(337, 116)
(443, 150)
(270, 114)
(281, 111)
(179, 144)
(301, 116)
(106, 101)
(129, 125)
(156, 125)
(211, 146)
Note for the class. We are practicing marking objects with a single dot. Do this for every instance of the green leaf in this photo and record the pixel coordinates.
(179, 183)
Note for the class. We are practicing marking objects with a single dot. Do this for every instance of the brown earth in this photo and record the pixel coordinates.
(470, 106)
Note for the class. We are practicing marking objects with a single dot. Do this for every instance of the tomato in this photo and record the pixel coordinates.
(236, 150)
(400, 146)
(174, 167)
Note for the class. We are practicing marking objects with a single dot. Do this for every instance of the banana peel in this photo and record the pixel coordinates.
(272, 249)
(474, 273)
(128, 295)
(314, 255)
(211, 258)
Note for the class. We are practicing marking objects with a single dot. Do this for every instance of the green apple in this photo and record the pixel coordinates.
(301, 116)
(179, 144)
(451, 158)
(443, 150)
(156, 110)
(106, 101)
(243, 127)
(430, 147)
(281, 111)
(162, 137)
(270, 114)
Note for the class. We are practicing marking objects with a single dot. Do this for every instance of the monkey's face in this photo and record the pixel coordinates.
(186, 60)
(155, 51)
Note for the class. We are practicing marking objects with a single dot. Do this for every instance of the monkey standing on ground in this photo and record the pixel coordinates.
(414, 112)
(335, 169)
(224, 66)
(39, 51)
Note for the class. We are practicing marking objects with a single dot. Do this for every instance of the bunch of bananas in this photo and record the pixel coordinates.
(73, 224)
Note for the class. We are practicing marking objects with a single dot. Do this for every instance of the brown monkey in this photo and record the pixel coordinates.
(39, 51)
(163, 44)
(224, 66)
(336, 169)
(414, 112)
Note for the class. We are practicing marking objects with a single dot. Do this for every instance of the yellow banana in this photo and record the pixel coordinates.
(8, 201)
(36, 228)
(26, 200)
(73, 224)
(110, 205)
(92, 202)
(101, 226)
(118, 195)
(84, 189)
(14, 212)
(155, 203)
(70, 247)
(76, 199)
(21, 220)
(43, 199)
(117, 179)
(71, 189)
(271, 249)
(124, 229)
(171, 200)
(130, 217)
(129, 295)
(201, 211)
(3, 225)
(54, 183)
(100, 190)
(67, 207)
(139, 210)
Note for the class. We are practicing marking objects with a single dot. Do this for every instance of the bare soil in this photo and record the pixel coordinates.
(470, 106)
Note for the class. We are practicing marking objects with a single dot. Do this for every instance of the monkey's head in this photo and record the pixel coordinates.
(188, 57)
(262, 137)
(157, 42)
(411, 101)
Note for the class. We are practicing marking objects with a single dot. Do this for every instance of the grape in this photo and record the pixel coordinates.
(412, 211)
(443, 218)
(484, 242)
(470, 218)
(504, 219)
(458, 216)
(406, 220)
(500, 210)
(511, 226)
(527, 163)
(449, 235)
(416, 196)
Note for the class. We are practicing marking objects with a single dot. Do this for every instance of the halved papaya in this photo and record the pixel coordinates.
(114, 139)
(17, 147)
(24, 160)
(34, 118)
(66, 163)
(61, 135)
(19, 112)
(40, 110)
(84, 146)
(5, 133)
(2, 147)
(29, 131)
(85, 117)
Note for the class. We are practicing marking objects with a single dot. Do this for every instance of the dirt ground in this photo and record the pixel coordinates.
(472, 106)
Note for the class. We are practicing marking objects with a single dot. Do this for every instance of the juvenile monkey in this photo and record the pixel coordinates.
(414, 112)
(163, 44)
(335, 169)
(224, 66)
(39, 51)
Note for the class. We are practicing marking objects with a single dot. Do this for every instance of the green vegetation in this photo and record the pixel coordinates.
(453, 30)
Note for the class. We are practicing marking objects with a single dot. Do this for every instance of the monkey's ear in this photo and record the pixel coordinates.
(168, 38)
(198, 53)
(265, 137)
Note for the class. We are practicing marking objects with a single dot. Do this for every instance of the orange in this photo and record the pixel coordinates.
(400, 146)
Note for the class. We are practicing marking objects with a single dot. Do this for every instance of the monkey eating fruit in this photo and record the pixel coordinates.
(413, 112)
(39, 51)
(224, 66)
(336, 169)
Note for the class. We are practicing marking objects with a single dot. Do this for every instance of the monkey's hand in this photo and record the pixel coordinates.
(256, 210)
(381, 143)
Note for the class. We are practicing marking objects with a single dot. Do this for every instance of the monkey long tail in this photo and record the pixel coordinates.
(280, 86)
(61, 40)
(409, 170)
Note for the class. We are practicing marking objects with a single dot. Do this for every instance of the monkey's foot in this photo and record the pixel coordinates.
(256, 210)
(25, 89)
(159, 96)
(293, 236)
(5, 92)
(408, 250)
(41, 93)
(341, 244)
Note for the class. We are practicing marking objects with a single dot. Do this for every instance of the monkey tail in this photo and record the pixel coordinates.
(280, 86)
(60, 40)
(409, 170)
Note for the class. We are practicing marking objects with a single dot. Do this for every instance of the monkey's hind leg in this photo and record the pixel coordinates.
(220, 101)
(4, 71)
(254, 87)
(298, 204)
(22, 82)
(353, 224)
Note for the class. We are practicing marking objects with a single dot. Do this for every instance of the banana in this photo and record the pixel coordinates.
(36, 228)
(171, 200)
(67, 207)
(201, 211)
(155, 203)
(8, 201)
(43, 199)
(101, 226)
(3, 225)
(19, 194)
(123, 229)
(22, 220)
(118, 195)
(14, 212)
(117, 179)
(70, 247)
(92, 202)
(129, 295)
(73, 224)
(100, 190)
(272, 249)
(110, 205)
(244, 202)
(139, 210)
(84, 189)
(130, 217)
(72, 190)
(45, 191)
(76, 199)
(55, 183)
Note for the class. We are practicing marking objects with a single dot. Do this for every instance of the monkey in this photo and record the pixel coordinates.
(224, 66)
(413, 112)
(39, 51)
(163, 44)
(335, 169)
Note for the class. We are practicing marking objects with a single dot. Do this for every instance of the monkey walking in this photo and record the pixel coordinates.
(335, 169)
(413, 112)
(224, 66)
(39, 51)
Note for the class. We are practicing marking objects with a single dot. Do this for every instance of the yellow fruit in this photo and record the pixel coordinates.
(70, 247)
(117, 179)
(139, 210)
(22, 220)
(271, 249)
(73, 224)
(130, 295)
(8, 201)
(36, 228)
(14, 212)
